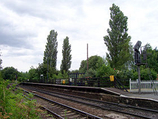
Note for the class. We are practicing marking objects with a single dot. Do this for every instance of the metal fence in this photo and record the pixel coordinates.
(146, 86)
(95, 81)
(122, 84)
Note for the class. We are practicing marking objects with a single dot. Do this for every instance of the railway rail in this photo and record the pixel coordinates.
(109, 106)
(59, 110)
(57, 116)
(64, 111)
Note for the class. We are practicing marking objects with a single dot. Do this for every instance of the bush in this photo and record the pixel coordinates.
(145, 74)
(90, 73)
(105, 71)
(125, 74)
(15, 106)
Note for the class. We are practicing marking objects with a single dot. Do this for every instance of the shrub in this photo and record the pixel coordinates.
(90, 73)
(15, 106)
(146, 74)
(125, 74)
(105, 71)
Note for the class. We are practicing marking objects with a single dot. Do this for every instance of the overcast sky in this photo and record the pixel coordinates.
(26, 24)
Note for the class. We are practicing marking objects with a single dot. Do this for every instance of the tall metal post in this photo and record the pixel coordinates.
(138, 62)
(139, 80)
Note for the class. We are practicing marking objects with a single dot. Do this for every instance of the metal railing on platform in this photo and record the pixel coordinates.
(146, 86)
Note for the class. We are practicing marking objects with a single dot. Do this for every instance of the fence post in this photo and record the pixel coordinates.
(75, 81)
(98, 79)
(130, 84)
(114, 81)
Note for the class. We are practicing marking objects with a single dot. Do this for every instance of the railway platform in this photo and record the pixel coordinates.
(148, 96)
(117, 97)
(113, 91)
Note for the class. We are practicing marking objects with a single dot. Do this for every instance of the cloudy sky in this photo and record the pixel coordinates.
(25, 25)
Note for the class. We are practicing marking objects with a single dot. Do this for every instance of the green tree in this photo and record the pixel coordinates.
(23, 76)
(83, 66)
(152, 57)
(33, 75)
(117, 40)
(66, 61)
(94, 62)
(10, 73)
(50, 53)
(90, 73)
(0, 62)
(0, 67)
(105, 71)
(42, 71)
(74, 71)
(144, 74)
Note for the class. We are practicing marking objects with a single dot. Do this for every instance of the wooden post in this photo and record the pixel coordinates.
(87, 56)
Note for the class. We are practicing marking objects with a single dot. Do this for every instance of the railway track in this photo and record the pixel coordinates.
(62, 111)
(115, 107)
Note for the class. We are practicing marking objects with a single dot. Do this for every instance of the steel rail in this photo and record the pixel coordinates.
(77, 110)
(104, 102)
(54, 114)
(48, 110)
(100, 106)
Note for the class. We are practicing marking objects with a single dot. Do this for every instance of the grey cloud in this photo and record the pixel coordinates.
(10, 37)
(17, 40)
(49, 9)
(32, 8)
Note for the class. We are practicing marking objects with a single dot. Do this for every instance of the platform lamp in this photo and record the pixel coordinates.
(137, 59)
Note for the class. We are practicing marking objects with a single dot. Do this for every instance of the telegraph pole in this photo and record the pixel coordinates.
(87, 56)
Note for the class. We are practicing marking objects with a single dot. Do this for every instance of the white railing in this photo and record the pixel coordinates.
(146, 86)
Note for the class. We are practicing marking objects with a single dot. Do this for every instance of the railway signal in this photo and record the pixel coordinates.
(137, 59)
(137, 53)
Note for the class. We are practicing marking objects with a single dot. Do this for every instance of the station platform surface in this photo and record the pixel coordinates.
(142, 95)
(118, 92)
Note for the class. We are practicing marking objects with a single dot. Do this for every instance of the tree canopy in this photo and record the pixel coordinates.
(152, 57)
(66, 52)
(50, 53)
(118, 40)
(9, 73)
(0, 62)
(94, 62)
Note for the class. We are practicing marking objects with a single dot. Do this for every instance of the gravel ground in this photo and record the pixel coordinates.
(98, 112)
(95, 111)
